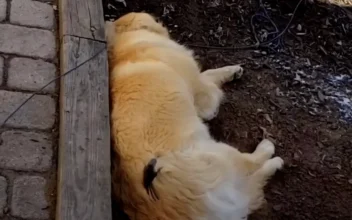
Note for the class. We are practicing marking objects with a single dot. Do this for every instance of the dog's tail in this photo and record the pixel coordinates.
(198, 180)
(149, 175)
(188, 174)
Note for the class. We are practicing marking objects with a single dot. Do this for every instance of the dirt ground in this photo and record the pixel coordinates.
(299, 93)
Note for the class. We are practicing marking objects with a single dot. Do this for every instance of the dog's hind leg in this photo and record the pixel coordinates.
(256, 168)
(207, 99)
(247, 163)
(208, 94)
(264, 151)
(258, 180)
(222, 75)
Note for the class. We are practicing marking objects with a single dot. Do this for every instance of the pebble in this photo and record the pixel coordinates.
(299, 27)
(321, 96)
(296, 156)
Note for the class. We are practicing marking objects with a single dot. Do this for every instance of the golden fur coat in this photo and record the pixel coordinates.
(167, 166)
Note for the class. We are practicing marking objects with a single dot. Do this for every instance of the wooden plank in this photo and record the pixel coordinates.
(84, 181)
(82, 18)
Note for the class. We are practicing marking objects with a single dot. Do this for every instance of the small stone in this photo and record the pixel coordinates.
(25, 151)
(296, 156)
(29, 74)
(350, 181)
(28, 198)
(298, 78)
(314, 74)
(321, 97)
(3, 6)
(299, 27)
(327, 22)
(3, 195)
(27, 41)
(32, 13)
(278, 92)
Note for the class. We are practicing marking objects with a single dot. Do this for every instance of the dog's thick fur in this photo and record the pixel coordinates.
(159, 98)
(342, 3)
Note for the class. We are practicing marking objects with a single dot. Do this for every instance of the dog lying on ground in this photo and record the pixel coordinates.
(168, 167)
(342, 3)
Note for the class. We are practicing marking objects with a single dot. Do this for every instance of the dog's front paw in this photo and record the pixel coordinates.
(272, 165)
(266, 147)
(236, 70)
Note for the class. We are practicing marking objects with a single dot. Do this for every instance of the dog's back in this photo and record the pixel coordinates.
(153, 115)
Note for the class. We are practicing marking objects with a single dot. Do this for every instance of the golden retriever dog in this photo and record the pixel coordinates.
(342, 3)
(167, 165)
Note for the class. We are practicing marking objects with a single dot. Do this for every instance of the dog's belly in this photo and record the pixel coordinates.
(227, 201)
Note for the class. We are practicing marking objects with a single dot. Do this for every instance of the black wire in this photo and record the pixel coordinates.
(288, 24)
(266, 16)
(51, 81)
(257, 44)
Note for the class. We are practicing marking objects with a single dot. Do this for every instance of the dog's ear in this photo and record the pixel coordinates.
(148, 176)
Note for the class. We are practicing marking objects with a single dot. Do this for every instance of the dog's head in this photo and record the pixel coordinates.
(139, 21)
